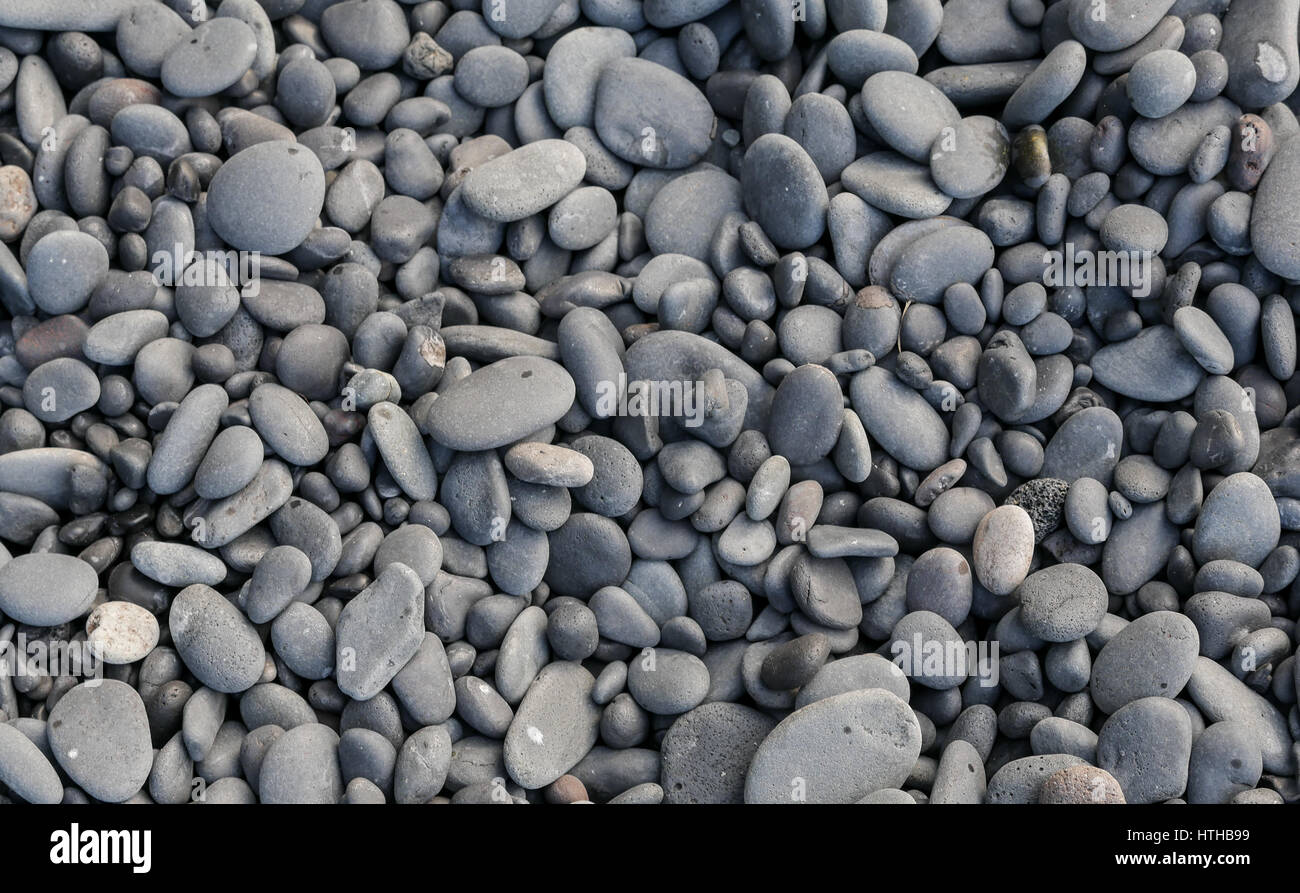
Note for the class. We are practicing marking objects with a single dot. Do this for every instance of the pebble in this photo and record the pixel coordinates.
(379, 631)
(500, 403)
(247, 210)
(46, 589)
(99, 734)
(215, 640)
(1003, 549)
(878, 750)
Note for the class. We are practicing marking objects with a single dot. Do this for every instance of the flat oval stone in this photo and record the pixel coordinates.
(211, 58)
(1152, 366)
(99, 734)
(230, 463)
(116, 339)
(251, 204)
(807, 413)
(907, 112)
(836, 750)
(1165, 146)
(1222, 697)
(974, 160)
(177, 564)
(523, 182)
(928, 266)
(1146, 745)
(121, 632)
(899, 419)
(57, 390)
(404, 452)
(706, 753)
(215, 640)
(1152, 656)
(1062, 603)
(500, 403)
(795, 215)
(1138, 548)
(650, 115)
(1003, 549)
(46, 588)
(302, 766)
(554, 728)
(287, 424)
(1124, 23)
(1238, 520)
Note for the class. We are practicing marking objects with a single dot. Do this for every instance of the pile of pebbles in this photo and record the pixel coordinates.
(670, 401)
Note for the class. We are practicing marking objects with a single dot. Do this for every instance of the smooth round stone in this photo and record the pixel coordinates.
(1153, 656)
(1137, 548)
(287, 425)
(929, 266)
(824, 590)
(1003, 549)
(686, 211)
(230, 463)
(809, 757)
(793, 216)
(1220, 696)
(549, 465)
(908, 112)
(491, 76)
(248, 205)
(121, 632)
(1239, 520)
(707, 751)
(372, 33)
(959, 777)
(1160, 82)
(521, 183)
(151, 131)
(1146, 745)
(177, 564)
(63, 269)
(26, 771)
(899, 419)
(855, 55)
(46, 588)
(650, 115)
(1152, 366)
(302, 766)
(1134, 228)
(500, 403)
(1062, 603)
(59, 389)
(667, 682)
(211, 58)
(116, 339)
(807, 413)
(215, 640)
(973, 160)
(554, 727)
(99, 734)
(1088, 444)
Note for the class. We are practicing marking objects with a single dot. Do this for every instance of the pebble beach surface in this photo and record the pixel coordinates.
(679, 401)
